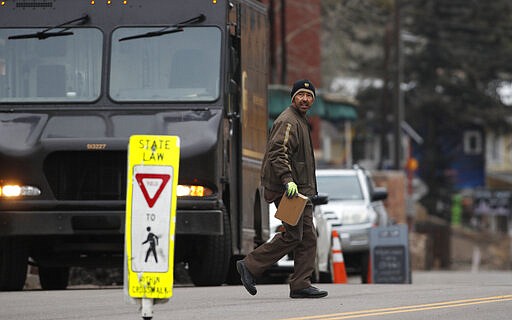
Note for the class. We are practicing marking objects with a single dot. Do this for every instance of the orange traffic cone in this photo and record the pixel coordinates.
(338, 264)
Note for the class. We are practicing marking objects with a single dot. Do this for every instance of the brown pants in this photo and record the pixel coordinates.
(301, 239)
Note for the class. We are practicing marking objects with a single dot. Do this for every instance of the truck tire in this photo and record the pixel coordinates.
(13, 264)
(210, 263)
(53, 278)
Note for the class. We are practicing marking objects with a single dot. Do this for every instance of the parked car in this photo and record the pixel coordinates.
(355, 206)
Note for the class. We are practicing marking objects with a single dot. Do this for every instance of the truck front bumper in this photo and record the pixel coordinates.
(192, 219)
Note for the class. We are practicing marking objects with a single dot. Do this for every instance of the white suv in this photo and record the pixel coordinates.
(354, 207)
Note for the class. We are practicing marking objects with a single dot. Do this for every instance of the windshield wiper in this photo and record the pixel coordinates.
(45, 34)
(178, 27)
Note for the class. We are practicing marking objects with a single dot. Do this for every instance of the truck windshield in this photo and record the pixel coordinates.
(181, 66)
(54, 69)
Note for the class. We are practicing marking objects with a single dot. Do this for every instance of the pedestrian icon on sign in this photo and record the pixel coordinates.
(153, 242)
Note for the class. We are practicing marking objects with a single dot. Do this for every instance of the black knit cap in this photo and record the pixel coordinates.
(302, 85)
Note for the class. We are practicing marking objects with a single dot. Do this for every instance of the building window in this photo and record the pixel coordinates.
(472, 142)
(494, 145)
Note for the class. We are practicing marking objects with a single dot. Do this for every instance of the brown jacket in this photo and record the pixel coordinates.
(289, 156)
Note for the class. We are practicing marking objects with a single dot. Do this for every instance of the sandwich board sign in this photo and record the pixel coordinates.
(389, 254)
(153, 165)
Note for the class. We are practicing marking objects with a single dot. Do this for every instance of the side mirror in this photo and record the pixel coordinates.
(379, 193)
(320, 199)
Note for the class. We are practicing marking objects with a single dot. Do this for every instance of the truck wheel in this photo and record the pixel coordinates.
(53, 278)
(210, 263)
(13, 264)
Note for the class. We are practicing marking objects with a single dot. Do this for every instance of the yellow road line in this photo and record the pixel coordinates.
(403, 309)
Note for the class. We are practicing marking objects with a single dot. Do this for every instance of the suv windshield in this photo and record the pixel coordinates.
(55, 69)
(181, 66)
(340, 187)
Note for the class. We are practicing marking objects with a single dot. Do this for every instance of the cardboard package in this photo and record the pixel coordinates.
(290, 210)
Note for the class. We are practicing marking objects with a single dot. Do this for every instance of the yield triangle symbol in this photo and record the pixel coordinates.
(153, 182)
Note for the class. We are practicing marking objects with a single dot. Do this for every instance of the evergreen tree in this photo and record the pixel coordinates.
(456, 55)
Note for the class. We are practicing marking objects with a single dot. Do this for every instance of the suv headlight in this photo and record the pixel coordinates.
(355, 217)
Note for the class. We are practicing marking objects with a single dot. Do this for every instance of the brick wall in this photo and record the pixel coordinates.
(302, 26)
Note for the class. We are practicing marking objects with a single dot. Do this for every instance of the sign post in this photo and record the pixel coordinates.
(153, 166)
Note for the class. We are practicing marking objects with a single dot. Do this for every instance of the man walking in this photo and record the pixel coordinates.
(289, 166)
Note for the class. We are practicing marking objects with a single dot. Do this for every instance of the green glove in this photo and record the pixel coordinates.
(291, 189)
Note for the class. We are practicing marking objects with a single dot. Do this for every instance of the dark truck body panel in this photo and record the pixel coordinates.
(76, 152)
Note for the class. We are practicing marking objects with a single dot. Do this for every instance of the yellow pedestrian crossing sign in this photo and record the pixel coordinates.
(153, 166)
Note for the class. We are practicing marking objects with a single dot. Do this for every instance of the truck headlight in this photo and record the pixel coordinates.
(14, 190)
(193, 191)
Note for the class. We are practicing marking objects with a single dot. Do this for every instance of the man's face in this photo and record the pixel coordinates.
(303, 101)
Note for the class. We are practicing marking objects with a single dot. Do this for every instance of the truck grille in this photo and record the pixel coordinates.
(75, 175)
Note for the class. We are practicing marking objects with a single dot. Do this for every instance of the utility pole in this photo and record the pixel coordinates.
(398, 104)
(284, 62)
(272, 40)
(385, 112)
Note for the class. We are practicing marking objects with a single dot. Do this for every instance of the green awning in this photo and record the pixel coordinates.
(338, 111)
(279, 99)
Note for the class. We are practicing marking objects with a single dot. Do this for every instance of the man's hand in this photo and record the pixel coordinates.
(291, 189)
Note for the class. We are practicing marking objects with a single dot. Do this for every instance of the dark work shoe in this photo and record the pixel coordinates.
(310, 292)
(246, 277)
